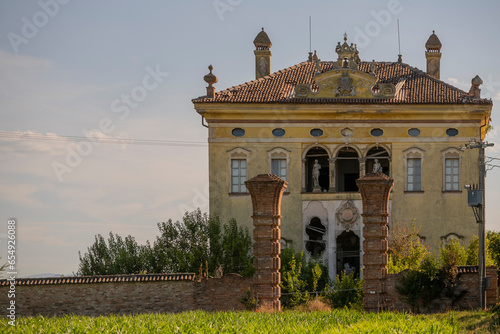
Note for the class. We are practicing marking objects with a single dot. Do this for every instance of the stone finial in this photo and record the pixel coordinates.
(474, 91)
(210, 79)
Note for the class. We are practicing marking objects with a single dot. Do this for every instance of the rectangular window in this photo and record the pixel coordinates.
(451, 177)
(413, 174)
(238, 175)
(278, 168)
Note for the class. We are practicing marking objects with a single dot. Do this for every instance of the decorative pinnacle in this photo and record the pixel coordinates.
(345, 36)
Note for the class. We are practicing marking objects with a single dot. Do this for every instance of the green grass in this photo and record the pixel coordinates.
(336, 321)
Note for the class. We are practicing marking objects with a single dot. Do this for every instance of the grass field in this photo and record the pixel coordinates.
(335, 321)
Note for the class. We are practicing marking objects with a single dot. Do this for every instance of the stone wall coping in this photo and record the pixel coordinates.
(101, 279)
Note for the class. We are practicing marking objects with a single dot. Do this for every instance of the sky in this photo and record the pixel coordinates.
(123, 73)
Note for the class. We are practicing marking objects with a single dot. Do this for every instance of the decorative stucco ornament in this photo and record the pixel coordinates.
(347, 214)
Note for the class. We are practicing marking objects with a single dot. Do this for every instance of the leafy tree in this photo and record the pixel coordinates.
(473, 252)
(452, 255)
(493, 239)
(116, 256)
(406, 249)
(197, 241)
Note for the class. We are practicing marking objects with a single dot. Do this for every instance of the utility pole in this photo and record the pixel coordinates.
(476, 199)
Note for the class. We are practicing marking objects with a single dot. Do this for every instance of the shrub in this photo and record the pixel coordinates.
(420, 286)
(347, 292)
(300, 277)
(406, 249)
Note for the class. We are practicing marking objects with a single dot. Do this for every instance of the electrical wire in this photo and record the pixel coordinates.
(100, 140)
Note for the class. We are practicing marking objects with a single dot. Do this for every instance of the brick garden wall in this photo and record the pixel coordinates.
(467, 280)
(135, 294)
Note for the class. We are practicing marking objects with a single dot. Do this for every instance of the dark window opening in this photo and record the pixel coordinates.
(317, 153)
(382, 157)
(348, 253)
(315, 232)
(347, 170)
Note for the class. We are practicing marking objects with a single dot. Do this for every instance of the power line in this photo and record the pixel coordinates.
(100, 140)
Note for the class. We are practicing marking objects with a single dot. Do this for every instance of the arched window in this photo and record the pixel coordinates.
(382, 156)
(347, 169)
(320, 156)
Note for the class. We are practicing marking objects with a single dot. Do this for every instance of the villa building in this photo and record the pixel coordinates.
(320, 125)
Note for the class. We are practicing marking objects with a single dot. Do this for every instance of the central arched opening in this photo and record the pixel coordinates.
(347, 169)
(348, 253)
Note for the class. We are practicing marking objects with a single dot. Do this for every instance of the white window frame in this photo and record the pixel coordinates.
(279, 153)
(452, 153)
(414, 153)
(238, 153)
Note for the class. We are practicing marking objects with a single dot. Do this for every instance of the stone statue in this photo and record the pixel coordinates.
(315, 173)
(377, 168)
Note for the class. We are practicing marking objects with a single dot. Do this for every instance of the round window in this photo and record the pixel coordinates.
(238, 132)
(316, 132)
(452, 132)
(377, 132)
(279, 132)
(414, 132)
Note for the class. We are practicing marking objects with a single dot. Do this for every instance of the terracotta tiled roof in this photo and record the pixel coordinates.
(100, 279)
(413, 86)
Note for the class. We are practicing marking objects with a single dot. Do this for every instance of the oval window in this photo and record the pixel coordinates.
(316, 132)
(377, 132)
(279, 132)
(414, 132)
(238, 132)
(452, 132)
(346, 132)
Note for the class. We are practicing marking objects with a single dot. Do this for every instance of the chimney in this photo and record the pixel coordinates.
(262, 55)
(433, 55)
(474, 91)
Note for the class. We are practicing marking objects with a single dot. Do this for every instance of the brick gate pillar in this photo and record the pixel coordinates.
(375, 189)
(266, 191)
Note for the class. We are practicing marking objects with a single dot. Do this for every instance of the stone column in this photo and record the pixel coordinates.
(375, 190)
(362, 166)
(266, 191)
(332, 174)
(304, 175)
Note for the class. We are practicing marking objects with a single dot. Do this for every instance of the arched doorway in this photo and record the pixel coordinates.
(383, 158)
(348, 253)
(347, 166)
(320, 154)
(315, 231)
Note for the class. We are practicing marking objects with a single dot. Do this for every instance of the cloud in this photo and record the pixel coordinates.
(20, 194)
